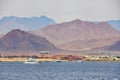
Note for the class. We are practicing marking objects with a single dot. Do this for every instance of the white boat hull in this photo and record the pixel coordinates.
(31, 62)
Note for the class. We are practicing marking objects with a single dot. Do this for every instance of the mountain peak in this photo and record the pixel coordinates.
(16, 31)
(76, 20)
(23, 41)
(43, 16)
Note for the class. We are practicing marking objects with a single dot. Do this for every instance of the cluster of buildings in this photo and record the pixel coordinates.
(70, 57)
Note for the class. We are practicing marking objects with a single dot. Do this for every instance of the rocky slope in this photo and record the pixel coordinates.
(17, 40)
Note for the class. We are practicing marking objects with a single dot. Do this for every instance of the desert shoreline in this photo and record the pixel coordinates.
(51, 60)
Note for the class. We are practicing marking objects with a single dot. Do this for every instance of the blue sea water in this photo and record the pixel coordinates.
(60, 71)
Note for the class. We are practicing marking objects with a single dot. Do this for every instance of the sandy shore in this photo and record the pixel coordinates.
(24, 59)
(49, 60)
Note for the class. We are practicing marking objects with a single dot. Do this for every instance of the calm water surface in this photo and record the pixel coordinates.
(60, 71)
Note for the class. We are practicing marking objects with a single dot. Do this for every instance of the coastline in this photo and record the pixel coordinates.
(52, 60)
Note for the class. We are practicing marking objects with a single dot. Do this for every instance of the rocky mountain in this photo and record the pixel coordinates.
(79, 34)
(17, 40)
(33, 23)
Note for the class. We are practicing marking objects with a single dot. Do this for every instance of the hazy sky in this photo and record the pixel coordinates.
(62, 10)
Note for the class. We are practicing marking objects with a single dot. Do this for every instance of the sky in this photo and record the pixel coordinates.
(62, 10)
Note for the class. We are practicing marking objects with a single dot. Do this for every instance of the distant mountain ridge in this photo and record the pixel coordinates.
(17, 40)
(33, 23)
(72, 35)
(115, 24)
(8, 23)
(67, 33)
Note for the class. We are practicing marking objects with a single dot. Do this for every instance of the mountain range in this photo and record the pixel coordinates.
(17, 40)
(43, 33)
(8, 23)
(27, 24)
(80, 35)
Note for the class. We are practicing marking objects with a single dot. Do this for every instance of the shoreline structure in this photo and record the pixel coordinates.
(63, 57)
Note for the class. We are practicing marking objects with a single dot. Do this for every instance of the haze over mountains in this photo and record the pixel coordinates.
(8, 23)
(46, 34)
(115, 24)
(33, 23)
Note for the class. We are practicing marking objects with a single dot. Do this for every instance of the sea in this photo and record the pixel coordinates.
(60, 71)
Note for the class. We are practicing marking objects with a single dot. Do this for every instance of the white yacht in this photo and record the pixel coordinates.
(79, 61)
(58, 61)
(31, 61)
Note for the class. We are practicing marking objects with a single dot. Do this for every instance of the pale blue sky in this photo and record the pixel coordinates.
(62, 10)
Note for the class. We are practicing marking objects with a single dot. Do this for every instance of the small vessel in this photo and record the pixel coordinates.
(31, 61)
(79, 61)
(58, 61)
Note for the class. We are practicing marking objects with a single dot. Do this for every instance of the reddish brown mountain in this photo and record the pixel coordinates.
(79, 34)
(18, 40)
